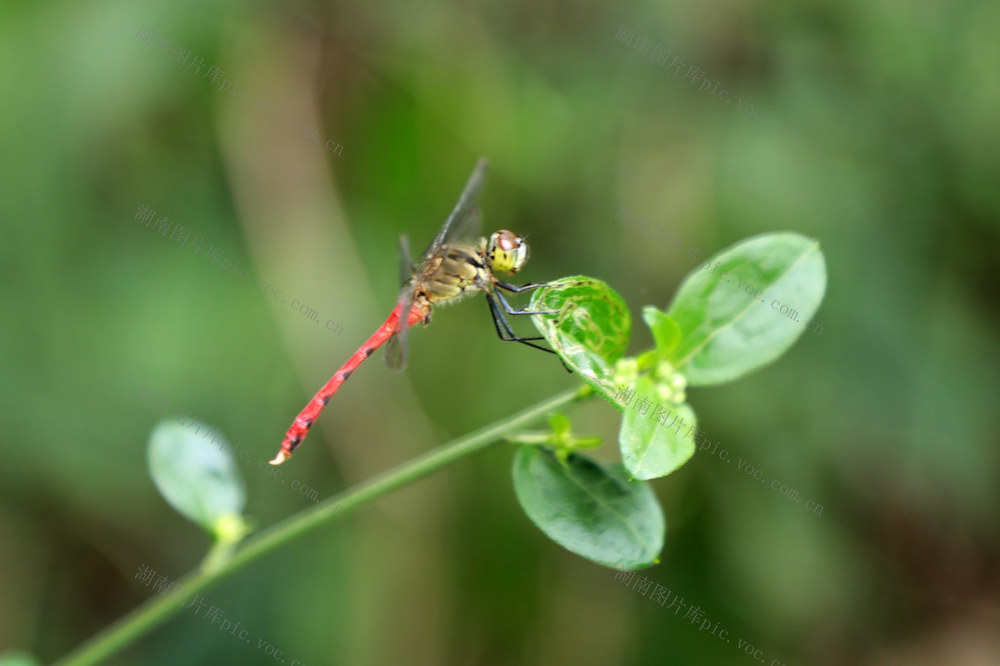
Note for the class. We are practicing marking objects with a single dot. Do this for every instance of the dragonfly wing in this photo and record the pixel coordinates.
(406, 267)
(462, 223)
(464, 219)
(395, 349)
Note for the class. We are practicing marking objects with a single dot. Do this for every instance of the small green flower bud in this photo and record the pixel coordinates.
(626, 370)
(678, 381)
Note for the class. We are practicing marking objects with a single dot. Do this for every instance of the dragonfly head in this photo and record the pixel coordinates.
(506, 251)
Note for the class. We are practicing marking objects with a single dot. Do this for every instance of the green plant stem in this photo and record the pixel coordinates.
(158, 609)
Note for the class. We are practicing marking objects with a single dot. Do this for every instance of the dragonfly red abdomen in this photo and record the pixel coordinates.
(300, 427)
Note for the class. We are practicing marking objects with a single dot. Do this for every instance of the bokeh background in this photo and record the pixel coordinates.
(875, 131)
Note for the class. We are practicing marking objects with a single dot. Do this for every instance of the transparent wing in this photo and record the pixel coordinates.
(406, 267)
(395, 348)
(464, 219)
(462, 223)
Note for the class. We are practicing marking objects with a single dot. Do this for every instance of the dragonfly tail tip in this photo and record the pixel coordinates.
(282, 456)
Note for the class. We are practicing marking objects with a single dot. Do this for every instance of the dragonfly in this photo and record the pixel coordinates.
(458, 263)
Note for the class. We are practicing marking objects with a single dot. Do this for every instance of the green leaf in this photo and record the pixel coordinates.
(591, 330)
(196, 475)
(666, 333)
(590, 509)
(728, 332)
(649, 449)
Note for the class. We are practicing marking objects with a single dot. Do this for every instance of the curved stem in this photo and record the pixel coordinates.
(157, 610)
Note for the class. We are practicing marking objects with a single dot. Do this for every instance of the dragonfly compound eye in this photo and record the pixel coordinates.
(507, 251)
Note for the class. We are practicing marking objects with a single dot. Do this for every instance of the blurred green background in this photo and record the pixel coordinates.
(887, 418)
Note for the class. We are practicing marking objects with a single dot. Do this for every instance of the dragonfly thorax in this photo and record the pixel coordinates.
(456, 272)
(506, 251)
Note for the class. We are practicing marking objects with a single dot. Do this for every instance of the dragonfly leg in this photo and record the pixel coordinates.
(511, 311)
(503, 327)
(504, 330)
(517, 289)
